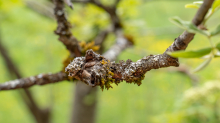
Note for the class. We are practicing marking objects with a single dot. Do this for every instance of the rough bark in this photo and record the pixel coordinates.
(63, 29)
(40, 79)
(148, 62)
(94, 69)
(84, 105)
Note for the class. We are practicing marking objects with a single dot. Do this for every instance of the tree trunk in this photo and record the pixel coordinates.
(85, 101)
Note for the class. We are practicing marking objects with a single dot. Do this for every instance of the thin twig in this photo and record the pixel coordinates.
(111, 10)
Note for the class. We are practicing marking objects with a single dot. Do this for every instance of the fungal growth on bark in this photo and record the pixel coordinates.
(96, 70)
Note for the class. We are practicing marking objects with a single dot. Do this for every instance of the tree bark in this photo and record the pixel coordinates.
(85, 102)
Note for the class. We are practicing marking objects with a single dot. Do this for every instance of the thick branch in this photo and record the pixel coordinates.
(40, 79)
(94, 69)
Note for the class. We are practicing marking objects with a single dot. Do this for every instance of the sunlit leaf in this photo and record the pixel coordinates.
(203, 65)
(216, 5)
(198, 2)
(216, 31)
(179, 22)
(193, 29)
(191, 6)
(188, 26)
(190, 54)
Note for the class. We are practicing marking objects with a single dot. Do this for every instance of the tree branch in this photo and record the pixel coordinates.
(185, 38)
(94, 69)
(66, 38)
(118, 47)
(40, 79)
(111, 10)
(45, 9)
(63, 29)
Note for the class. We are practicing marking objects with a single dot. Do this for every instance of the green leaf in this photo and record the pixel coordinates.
(216, 31)
(179, 22)
(216, 5)
(188, 26)
(218, 46)
(191, 6)
(193, 29)
(190, 54)
(203, 65)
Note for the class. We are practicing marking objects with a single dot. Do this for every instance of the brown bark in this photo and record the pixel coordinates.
(85, 102)
(103, 72)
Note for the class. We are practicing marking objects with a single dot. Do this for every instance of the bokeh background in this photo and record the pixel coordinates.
(165, 96)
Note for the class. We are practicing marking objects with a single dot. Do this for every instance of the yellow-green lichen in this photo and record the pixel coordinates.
(103, 62)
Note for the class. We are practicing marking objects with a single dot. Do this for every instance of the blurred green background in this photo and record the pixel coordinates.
(163, 97)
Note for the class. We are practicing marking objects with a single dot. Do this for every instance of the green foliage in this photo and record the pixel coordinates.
(198, 105)
(191, 6)
(218, 46)
(203, 65)
(194, 5)
(190, 27)
(216, 31)
(215, 6)
(186, 25)
(203, 101)
(190, 54)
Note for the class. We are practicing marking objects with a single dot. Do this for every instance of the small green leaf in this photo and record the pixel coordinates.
(191, 6)
(216, 5)
(190, 54)
(193, 29)
(203, 65)
(216, 31)
(188, 26)
(179, 22)
(218, 46)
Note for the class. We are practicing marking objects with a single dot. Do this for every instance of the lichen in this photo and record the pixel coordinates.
(86, 46)
(95, 70)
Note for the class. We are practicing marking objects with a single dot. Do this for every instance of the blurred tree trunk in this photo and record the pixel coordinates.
(84, 104)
